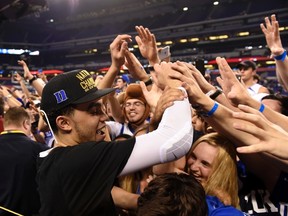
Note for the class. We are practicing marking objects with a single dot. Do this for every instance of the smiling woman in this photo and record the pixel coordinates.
(212, 160)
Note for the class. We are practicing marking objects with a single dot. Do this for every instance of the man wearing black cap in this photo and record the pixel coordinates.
(77, 175)
(247, 70)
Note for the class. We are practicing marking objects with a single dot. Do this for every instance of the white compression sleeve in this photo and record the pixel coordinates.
(172, 139)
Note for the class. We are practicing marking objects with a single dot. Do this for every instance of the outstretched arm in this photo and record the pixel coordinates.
(271, 138)
(272, 35)
(38, 84)
(117, 49)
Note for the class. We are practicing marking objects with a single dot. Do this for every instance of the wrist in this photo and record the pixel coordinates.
(277, 52)
(280, 57)
(148, 81)
(154, 61)
(115, 67)
(214, 93)
(32, 80)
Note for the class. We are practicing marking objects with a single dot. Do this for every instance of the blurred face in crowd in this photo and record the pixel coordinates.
(201, 161)
(120, 83)
(88, 122)
(134, 109)
(246, 73)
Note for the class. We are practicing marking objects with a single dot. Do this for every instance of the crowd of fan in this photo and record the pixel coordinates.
(189, 147)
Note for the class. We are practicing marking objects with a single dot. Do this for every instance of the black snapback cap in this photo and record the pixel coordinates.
(72, 87)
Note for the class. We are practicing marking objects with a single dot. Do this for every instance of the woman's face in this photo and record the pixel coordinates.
(200, 162)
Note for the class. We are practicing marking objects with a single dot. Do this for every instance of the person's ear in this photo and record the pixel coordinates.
(26, 124)
(63, 123)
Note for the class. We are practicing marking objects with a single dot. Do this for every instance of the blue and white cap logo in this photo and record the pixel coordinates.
(60, 96)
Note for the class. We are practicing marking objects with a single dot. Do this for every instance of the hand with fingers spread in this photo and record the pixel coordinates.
(147, 44)
(152, 96)
(118, 48)
(271, 137)
(134, 66)
(181, 71)
(272, 35)
(271, 32)
(163, 72)
(232, 88)
(192, 72)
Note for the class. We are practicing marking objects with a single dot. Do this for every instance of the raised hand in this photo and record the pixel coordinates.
(27, 74)
(271, 32)
(134, 66)
(118, 48)
(232, 88)
(271, 138)
(147, 44)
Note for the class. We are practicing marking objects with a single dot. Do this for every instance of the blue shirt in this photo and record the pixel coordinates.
(217, 208)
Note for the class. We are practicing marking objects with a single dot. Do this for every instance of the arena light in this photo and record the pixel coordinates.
(194, 39)
(183, 40)
(168, 42)
(241, 34)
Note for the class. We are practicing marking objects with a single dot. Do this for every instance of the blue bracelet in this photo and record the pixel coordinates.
(213, 110)
(281, 57)
(262, 107)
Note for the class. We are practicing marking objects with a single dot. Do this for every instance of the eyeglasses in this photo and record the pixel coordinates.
(136, 104)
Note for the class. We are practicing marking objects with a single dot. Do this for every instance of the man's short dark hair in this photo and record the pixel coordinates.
(282, 99)
(173, 194)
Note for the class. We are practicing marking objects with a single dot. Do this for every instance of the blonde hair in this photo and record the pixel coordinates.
(223, 178)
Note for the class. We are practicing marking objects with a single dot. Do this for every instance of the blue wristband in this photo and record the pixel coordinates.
(281, 57)
(262, 108)
(213, 110)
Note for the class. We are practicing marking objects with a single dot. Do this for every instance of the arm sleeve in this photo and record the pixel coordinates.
(172, 139)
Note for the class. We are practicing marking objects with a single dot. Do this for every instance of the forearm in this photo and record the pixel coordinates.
(12, 101)
(109, 77)
(271, 115)
(116, 110)
(38, 84)
(171, 141)
(282, 72)
(124, 199)
(24, 89)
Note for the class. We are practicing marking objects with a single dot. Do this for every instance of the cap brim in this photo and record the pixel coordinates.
(241, 65)
(94, 95)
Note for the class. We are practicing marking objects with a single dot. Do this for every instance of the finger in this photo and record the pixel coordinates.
(119, 39)
(263, 28)
(144, 88)
(248, 109)
(248, 128)
(276, 30)
(220, 82)
(250, 149)
(128, 59)
(123, 48)
(138, 41)
(141, 32)
(148, 34)
(267, 23)
(153, 40)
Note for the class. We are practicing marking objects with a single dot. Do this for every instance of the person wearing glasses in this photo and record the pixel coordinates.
(136, 111)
